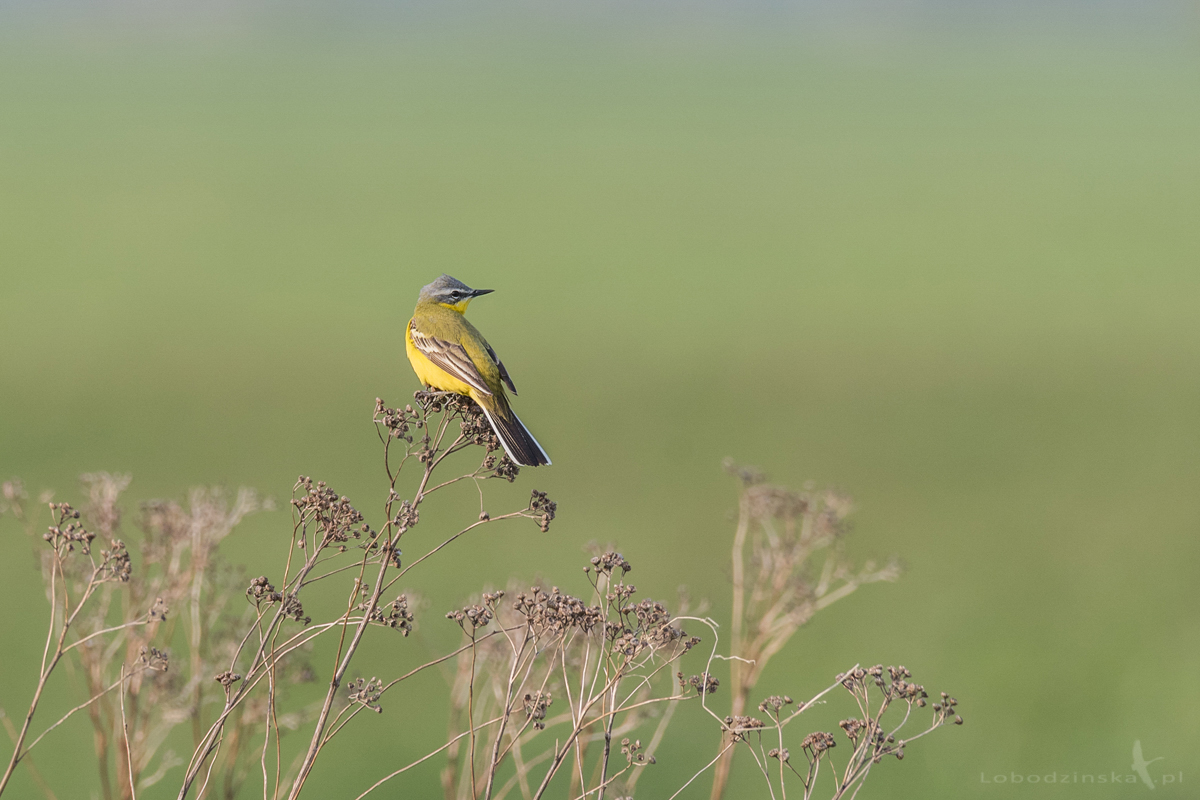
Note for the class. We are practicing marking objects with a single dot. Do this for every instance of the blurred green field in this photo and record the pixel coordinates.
(954, 273)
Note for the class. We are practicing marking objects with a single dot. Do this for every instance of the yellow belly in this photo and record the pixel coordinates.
(431, 374)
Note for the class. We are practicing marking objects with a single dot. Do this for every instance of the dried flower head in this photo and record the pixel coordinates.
(607, 562)
(542, 509)
(634, 757)
(535, 705)
(262, 591)
(227, 678)
(506, 469)
(704, 684)
(366, 693)
(817, 743)
(155, 659)
(395, 615)
(406, 516)
(67, 533)
(774, 704)
(294, 609)
(472, 618)
(739, 725)
(158, 611)
(555, 613)
(398, 422)
(329, 514)
(115, 564)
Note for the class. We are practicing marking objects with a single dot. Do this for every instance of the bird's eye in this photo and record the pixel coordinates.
(456, 293)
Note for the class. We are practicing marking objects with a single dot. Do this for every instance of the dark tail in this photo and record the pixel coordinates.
(517, 440)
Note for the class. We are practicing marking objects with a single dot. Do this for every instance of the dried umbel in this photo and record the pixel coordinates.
(632, 750)
(895, 687)
(398, 422)
(506, 469)
(871, 738)
(535, 705)
(227, 678)
(742, 724)
(542, 509)
(263, 591)
(154, 658)
(67, 534)
(704, 684)
(817, 743)
(555, 614)
(775, 704)
(471, 618)
(406, 516)
(329, 514)
(854, 728)
(475, 426)
(115, 564)
(605, 563)
(455, 406)
(158, 611)
(366, 693)
(944, 709)
(293, 609)
(395, 615)
(645, 625)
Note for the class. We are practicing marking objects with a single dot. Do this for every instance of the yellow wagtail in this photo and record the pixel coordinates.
(450, 355)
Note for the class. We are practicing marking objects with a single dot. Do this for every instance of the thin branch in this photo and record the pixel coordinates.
(79, 707)
(702, 771)
(133, 624)
(125, 734)
(422, 759)
(34, 772)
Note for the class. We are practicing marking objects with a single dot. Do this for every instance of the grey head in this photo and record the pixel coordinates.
(451, 291)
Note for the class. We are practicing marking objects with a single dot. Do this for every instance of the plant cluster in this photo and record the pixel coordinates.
(547, 688)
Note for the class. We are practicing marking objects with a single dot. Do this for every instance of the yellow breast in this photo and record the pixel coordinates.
(429, 373)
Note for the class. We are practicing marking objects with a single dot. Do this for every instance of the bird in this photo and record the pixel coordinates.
(449, 354)
(1140, 763)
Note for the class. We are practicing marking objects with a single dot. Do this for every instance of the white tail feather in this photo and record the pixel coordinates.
(533, 438)
(500, 436)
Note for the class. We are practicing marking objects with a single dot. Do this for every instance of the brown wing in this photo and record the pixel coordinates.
(503, 372)
(450, 357)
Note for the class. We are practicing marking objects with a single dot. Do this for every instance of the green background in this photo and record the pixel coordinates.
(944, 258)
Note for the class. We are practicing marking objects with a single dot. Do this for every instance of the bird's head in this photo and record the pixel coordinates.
(451, 292)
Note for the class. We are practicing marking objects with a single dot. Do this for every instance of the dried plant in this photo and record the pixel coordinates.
(547, 688)
(870, 738)
(781, 536)
(605, 659)
(331, 538)
(106, 615)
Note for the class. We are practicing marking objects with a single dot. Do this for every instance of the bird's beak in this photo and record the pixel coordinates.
(478, 292)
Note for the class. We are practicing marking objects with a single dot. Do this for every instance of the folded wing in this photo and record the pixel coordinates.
(503, 371)
(450, 357)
